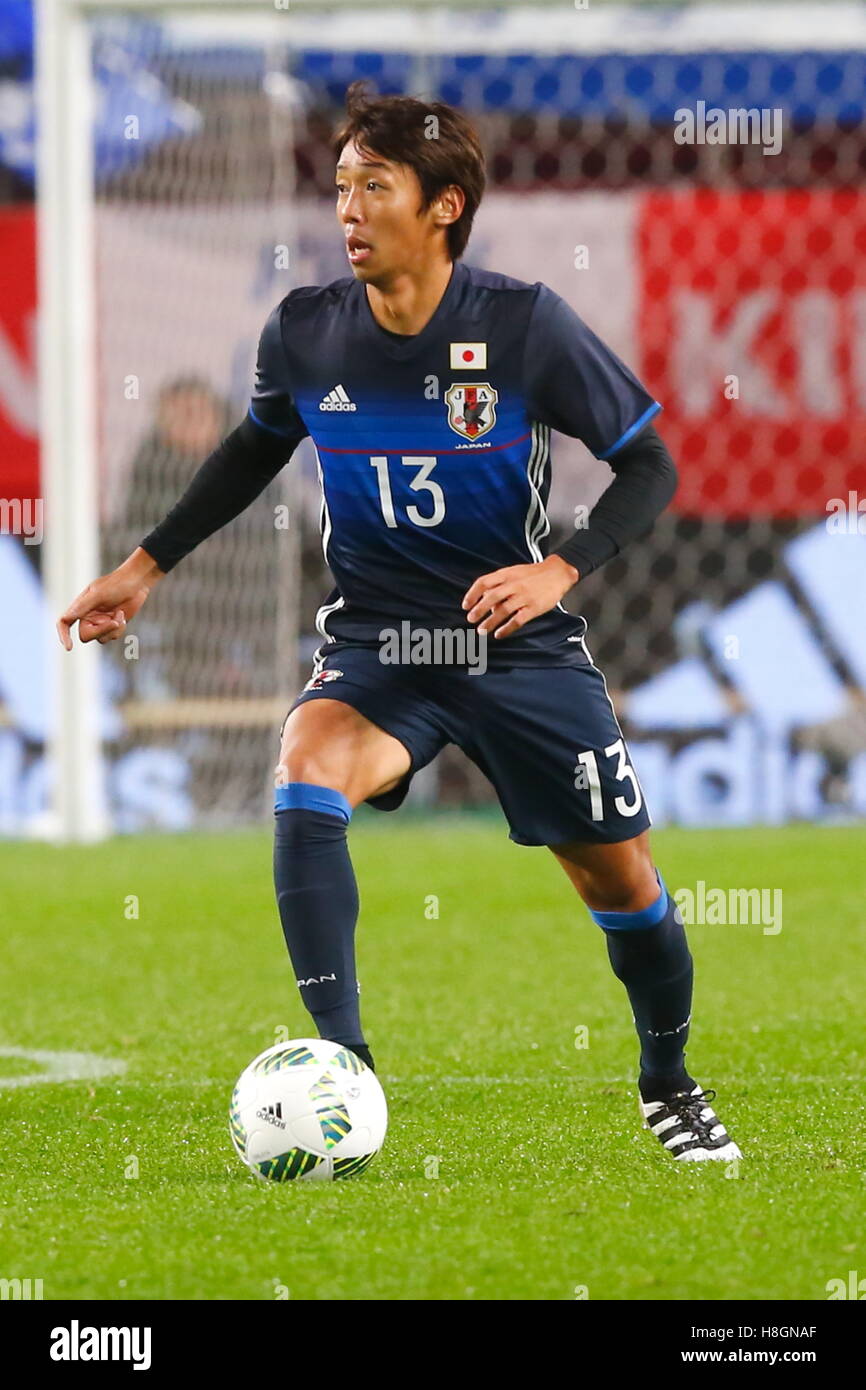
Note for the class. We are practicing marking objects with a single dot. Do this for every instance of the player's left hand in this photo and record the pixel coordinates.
(506, 599)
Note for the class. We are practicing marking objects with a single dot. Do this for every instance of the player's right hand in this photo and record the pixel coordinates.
(103, 609)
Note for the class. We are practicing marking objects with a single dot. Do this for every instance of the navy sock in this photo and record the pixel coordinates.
(317, 897)
(650, 955)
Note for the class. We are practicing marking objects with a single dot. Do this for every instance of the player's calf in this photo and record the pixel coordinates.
(648, 951)
(646, 945)
(331, 758)
(317, 898)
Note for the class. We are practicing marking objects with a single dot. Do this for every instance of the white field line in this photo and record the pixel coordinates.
(87, 1066)
(59, 1066)
(541, 1079)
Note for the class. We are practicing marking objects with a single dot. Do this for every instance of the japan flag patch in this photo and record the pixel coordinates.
(468, 355)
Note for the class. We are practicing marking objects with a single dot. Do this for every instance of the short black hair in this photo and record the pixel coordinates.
(442, 151)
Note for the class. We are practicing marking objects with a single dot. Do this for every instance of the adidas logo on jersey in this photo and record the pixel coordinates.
(337, 400)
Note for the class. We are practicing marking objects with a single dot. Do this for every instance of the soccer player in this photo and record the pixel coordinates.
(429, 389)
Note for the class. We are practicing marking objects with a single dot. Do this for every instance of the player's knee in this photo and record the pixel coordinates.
(309, 769)
(630, 890)
(613, 878)
(623, 898)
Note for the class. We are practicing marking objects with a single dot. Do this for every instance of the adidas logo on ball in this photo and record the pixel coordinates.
(273, 1114)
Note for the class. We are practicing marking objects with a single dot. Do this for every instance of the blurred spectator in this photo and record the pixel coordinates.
(201, 633)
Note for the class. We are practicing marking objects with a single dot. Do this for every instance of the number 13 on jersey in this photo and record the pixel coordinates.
(422, 482)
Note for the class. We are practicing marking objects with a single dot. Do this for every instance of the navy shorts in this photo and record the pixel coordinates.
(546, 737)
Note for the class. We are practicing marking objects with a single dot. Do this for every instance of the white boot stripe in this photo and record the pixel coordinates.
(685, 1144)
(664, 1124)
(683, 1138)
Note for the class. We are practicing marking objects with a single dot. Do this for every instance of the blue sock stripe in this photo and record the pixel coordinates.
(635, 921)
(306, 796)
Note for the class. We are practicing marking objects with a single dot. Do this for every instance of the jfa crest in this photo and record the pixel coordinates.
(316, 682)
(471, 408)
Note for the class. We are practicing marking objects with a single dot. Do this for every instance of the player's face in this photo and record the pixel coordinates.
(378, 207)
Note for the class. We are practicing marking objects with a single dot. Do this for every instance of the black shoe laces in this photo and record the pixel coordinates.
(689, 1107)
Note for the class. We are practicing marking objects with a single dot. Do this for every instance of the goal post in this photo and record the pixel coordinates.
(67, 394)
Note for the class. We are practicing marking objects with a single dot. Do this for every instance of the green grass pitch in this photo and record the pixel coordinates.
(515, 1166)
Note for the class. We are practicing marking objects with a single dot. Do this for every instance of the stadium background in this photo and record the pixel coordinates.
(731, 637)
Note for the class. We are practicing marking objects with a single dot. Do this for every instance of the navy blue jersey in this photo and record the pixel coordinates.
(434, 449)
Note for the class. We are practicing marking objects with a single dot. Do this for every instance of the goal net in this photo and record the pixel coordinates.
(196, 240)
(722, 257)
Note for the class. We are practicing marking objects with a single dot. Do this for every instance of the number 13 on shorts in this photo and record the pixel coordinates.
(586, 778)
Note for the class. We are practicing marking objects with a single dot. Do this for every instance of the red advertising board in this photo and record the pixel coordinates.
(751, 318)
(19, 449)
(752, 324)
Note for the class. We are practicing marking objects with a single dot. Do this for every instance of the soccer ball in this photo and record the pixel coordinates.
(307, 1109)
